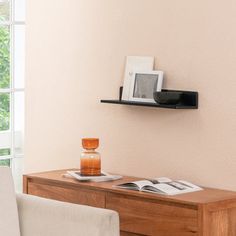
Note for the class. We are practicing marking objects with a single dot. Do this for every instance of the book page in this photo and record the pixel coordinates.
(161, 180)
(162, 185)
(172, 188)
(162, 189)
(190, 187)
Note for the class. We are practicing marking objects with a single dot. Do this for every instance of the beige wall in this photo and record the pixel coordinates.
(75, 56)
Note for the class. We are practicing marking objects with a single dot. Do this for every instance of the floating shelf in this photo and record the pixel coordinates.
(190, 101)
(144, 104)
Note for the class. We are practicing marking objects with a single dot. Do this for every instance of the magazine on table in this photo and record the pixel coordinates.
(161, 185)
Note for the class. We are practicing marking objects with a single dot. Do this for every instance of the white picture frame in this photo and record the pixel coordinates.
(135, 63)
(144, 84)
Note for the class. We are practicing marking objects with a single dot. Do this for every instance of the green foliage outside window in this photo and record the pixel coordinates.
(4, 10)
(4, 111)
(5, 152)
(4, 57)
(4, 77)
(6, 162)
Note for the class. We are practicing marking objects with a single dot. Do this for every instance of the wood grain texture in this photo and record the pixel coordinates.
(209, 195)
(211, 212)
(217, 222)
(83, 196)
(150, 218)
(232, 222)
(25, 184)
(123, 233)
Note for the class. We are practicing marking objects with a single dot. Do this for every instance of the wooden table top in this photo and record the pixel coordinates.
(208, 195)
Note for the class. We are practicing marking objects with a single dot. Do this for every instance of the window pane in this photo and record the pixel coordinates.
(19, 56)
(20, 10)
(4, 10)
(5, 152)
(6, 162)
(4, 57)
(4, 111)
(5, 143)
(19, 122)
(17, 170)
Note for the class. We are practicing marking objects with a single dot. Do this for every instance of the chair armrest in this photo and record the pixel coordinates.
(44, 217)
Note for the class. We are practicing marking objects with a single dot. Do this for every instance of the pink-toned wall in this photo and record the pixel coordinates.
(76, 55)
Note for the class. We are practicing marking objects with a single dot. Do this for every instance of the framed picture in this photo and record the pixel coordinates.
(135, 63)
(144, 84)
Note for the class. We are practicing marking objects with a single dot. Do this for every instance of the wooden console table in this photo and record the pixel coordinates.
(211, 212)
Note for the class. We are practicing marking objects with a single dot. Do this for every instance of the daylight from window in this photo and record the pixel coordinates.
(12, 67)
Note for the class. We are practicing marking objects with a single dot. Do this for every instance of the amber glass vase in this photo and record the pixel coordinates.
(90, 160)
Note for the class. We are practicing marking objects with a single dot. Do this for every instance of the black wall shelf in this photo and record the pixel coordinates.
(190, 101)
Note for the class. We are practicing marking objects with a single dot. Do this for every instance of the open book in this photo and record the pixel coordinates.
(161, 185)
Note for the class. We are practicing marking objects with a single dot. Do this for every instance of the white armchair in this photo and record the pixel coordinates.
(27, 215)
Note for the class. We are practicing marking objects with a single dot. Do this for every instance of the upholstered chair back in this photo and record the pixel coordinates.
(9, 223)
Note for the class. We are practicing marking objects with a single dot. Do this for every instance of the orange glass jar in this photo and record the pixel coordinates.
(90, 160)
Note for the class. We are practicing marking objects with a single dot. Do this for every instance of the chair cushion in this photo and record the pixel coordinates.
(9, 223)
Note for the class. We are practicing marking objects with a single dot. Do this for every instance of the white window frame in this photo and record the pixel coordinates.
(12, 90)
